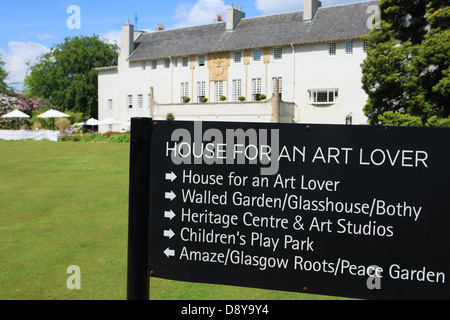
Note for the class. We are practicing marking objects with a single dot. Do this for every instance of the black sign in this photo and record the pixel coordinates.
(354, 211)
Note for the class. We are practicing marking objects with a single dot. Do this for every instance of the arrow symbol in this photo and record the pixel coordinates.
(170, 195)
(169, 214)
(171, 176)
(169, 253)
(169, 233)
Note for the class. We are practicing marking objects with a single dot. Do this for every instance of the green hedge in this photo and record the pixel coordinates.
(97, 137)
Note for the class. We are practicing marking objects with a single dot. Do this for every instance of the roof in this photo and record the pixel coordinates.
(329, 24)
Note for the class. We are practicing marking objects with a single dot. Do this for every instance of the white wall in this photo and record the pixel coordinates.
(316, 69)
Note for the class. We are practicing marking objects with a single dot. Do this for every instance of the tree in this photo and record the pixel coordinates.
(3, 76)
(407, 69)
(66, 75)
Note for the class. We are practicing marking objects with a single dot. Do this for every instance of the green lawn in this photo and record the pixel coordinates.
(65, 204)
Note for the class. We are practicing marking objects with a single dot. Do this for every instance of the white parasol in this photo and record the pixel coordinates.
(15, 114)
(53, 114)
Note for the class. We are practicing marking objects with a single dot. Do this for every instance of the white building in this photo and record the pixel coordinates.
(315, 54)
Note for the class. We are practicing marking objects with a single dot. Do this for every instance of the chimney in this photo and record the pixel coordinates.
(159, 27)
(233, 17)
(309, 9)
(127, 45)
(218, 18)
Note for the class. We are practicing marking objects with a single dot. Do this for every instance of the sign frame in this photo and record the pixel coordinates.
(140, 207)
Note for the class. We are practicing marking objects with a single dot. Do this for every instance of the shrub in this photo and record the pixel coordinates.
(186, 99)
(94, 137)
(204, 99)
(390, 118)
(76, 137)
(170, 117)
(262, 96)
(223, 98)
(120, 138)
(62, 124)
(241, 98)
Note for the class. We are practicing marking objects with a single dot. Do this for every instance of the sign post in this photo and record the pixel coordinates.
(353, 211)
(139, 207)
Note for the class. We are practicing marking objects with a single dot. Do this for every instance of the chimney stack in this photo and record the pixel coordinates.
(159, 27)
(218, 18)
(309, 9)
(127, 45)
(234, 15)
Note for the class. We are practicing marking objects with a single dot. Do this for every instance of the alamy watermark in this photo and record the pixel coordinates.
(236, 147)
(74, 280)
(374, 21)
(374, 280)
(74, 20)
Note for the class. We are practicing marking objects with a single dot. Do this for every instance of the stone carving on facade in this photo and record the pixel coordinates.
(218, 64)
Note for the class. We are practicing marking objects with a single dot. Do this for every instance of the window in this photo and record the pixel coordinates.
(257, 54)
(323, 96)
(237, 56)
(185, 62)
(201, 90)
(237, 89)
(175, 62)
(167, 63)
(201, 60)
(184, 90)
(130, 102)
(140, 101)
(154, 64)
(349, 47)
(277, 54)
(256, 89)
(280, 84)
(332, 49)
(218, 90)
(365, 46)
(110, 105)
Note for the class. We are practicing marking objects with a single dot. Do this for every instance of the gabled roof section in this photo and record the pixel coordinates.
(329, 24)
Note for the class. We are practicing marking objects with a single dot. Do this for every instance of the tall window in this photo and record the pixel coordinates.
(110, 105)
(365, 46)
(130, 102)
(349, 47)
(184, 90)
(154, 64)
(256, 88)
(201, 90)
(237, 56)
(185, 62)
(278, 54)
(167, 63)
(257, 54)
(332, 49)
(280, 84)
(140, 101)
(201, 60)
(218, 90)
(323, 96)
(237, 89)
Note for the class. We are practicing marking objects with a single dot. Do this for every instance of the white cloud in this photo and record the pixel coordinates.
(272, 6)
(113, 37)
(201, 12)
(19, 53)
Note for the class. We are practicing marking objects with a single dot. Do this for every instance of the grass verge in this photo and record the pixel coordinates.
(65, 204)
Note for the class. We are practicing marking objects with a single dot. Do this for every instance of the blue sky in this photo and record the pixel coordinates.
(29, 28)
